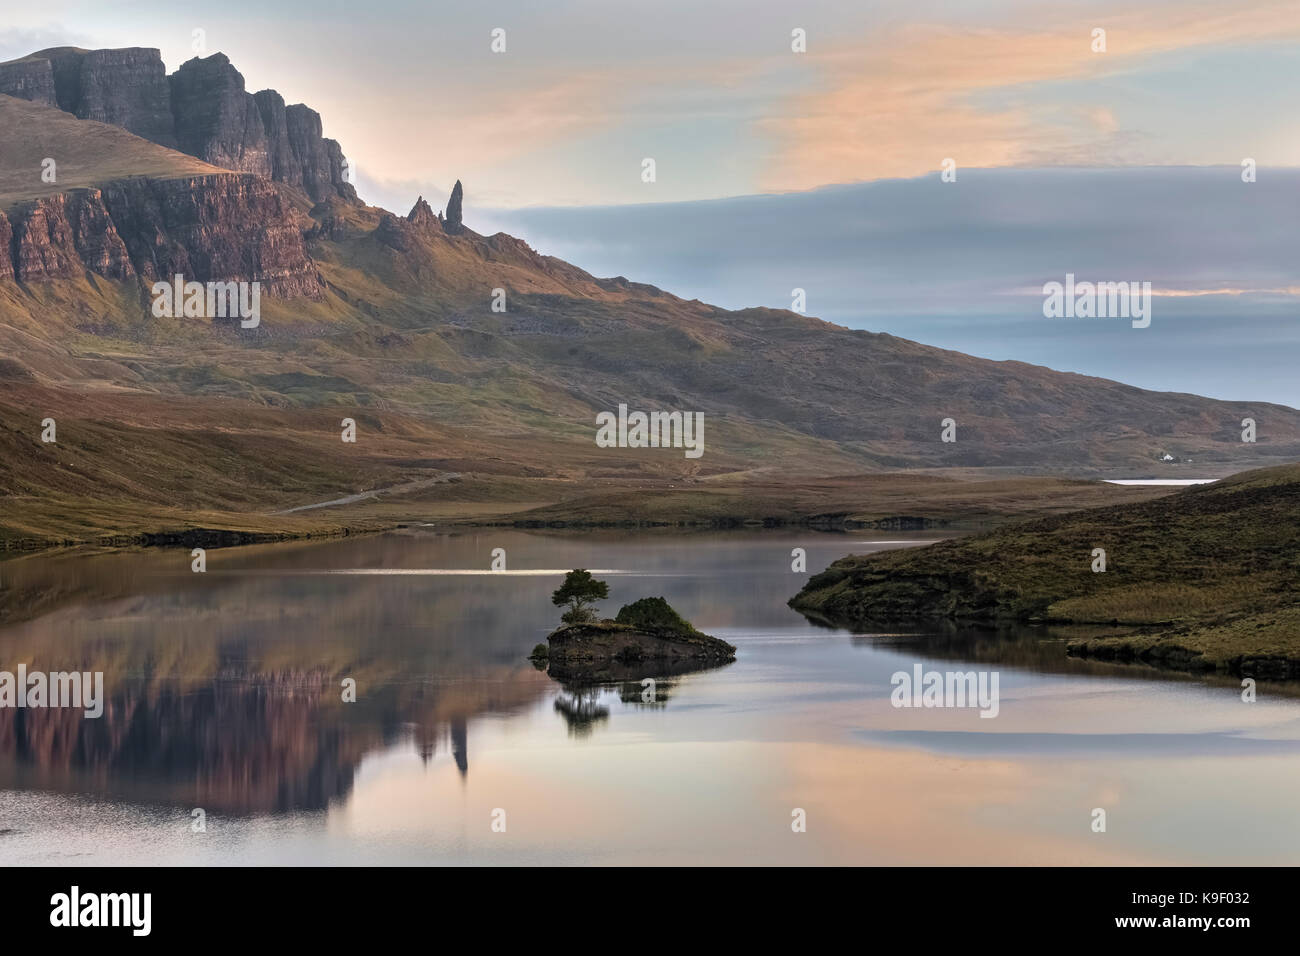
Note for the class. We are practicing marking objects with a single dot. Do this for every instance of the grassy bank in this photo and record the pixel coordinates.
(121, 514)
(1203, 579)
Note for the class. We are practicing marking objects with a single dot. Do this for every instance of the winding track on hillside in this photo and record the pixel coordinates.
(374, 493)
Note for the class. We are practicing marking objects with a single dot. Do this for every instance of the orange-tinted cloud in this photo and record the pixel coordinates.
(899, 105)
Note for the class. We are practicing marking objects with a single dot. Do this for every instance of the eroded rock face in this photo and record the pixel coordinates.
(206, 228)
(43, 246)
(300, 154)
(126, 88)
(217, 120)
(6, 247)
(421, 216)
(95, 237)
(319, 160)
(284, 166)
(213, 228)
(28, 79)
(454, 221)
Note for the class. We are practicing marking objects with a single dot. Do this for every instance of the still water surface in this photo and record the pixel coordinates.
(224, 693)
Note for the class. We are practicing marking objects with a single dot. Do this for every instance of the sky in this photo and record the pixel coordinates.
(777, 169)
(713, 92)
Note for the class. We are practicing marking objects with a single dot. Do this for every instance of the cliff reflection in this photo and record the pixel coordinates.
(224, 690)
(277, 741)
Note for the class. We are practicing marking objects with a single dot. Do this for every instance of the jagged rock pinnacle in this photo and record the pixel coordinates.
(421, 214)
(453, 207)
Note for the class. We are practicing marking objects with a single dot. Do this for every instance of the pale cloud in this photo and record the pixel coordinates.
(16, 42)
(514, 135)
(481, 128)
(896, 104)
(1103, 119)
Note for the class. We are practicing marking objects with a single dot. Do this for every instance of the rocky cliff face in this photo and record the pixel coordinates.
(6, 245)
(216, 119)
(206, 228)
(300, 154)
(407, 235)
(43, 245)
(212, 228)
(126, 88)
(202, 109)
(64, 236)
(28, 79)
(421, 216)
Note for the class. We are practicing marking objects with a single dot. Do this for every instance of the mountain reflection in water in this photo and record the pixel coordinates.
(225, 691)
(225, 688)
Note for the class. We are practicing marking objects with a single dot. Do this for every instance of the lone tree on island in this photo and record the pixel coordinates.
(579, 590)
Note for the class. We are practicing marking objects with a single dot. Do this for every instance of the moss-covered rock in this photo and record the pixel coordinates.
(653, 614)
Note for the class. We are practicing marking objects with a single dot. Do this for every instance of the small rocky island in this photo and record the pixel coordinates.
(646, 630)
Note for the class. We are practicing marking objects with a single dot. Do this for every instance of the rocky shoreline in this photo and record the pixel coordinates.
(602, 641)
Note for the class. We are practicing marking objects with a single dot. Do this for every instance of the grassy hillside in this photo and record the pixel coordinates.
(86, 153)
(1202, 579)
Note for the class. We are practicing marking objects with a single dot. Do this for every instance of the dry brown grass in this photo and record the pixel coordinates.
(1203, 577)
(86, 153)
